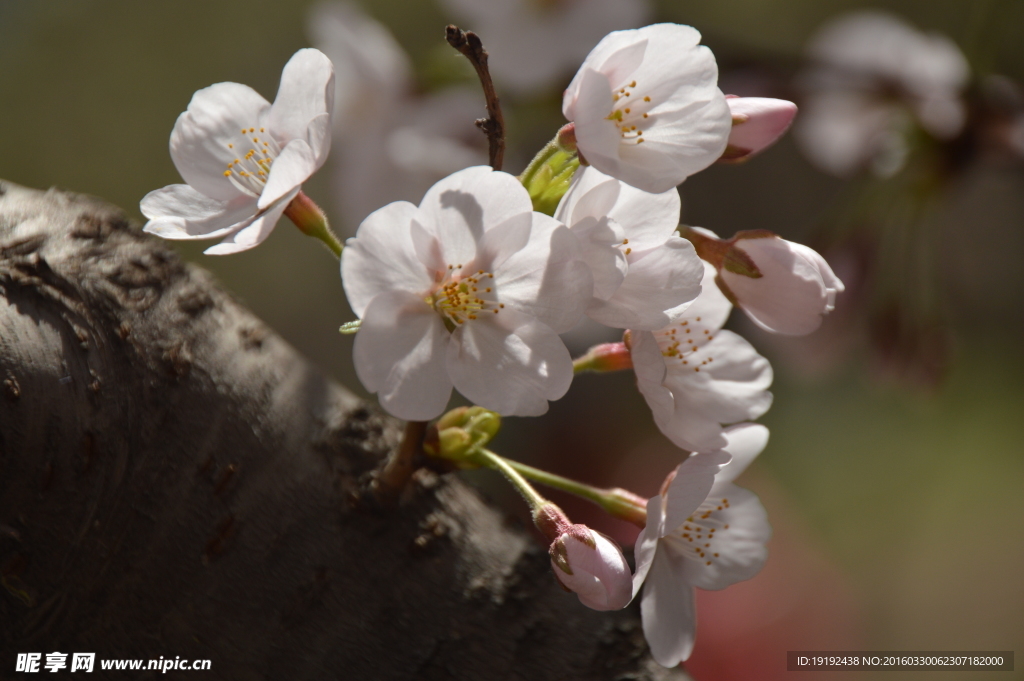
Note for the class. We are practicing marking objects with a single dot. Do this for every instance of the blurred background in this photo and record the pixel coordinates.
(894, 472)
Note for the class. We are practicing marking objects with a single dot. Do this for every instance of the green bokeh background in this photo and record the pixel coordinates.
(914, 497)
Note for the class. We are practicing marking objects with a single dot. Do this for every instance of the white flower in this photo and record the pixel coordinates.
(696, 376)
(532, 44)
(873, 74)
(469, 289)
(644, 275)
(757, 123)
(784, 287)
(646, 107)
(243, 158)
(592, 565)
(390, 143)
(698, 534)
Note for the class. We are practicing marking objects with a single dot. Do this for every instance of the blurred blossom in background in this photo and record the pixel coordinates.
(892, 478)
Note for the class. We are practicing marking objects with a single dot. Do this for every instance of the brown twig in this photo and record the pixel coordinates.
(401, 464)
(468, 43)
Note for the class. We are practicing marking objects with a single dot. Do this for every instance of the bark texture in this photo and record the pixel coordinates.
(176, 481)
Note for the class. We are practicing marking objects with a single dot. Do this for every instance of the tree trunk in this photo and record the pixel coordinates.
(175, 481)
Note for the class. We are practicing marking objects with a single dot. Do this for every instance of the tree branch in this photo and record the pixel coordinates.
(176, 481)
(469, 44)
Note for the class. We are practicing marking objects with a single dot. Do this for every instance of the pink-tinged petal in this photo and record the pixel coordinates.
(306, 93)
(647, 541)
(290, 169)
(658, 288)
(318, 137)
(382, 257)
(792, 294)
(668, 611)
(745, 442)
(758, 122)
(214, 119)
(647, 219)
(738, 550)
(509, 363)
(254, 233)
(546, 279)
(464, 205)
(689, 488)
(180, 212)
(600, 575)
(399, 354)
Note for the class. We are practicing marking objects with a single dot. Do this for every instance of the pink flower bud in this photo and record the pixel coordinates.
(757, 122)
(592, 565)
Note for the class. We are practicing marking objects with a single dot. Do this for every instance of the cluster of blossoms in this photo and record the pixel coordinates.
(471, 288)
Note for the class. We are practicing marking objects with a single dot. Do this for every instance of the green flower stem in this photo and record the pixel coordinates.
(616, 502)
(311, 221)
(498, 463)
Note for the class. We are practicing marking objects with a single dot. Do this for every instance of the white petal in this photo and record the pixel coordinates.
(254, 233)
(546, 279)
(591, 194)
(791, 295)
(668, 611)
(690, 486)
(305, 94)
(509, 363)
(729, 387)
(214, 119)
(647, 542)
(178, 211)
(382, 257)
(290, 169)
(688, 120)
(745, 442)
(741, 547)
(657, 289)
(600, 238)
(399, 353)
(462, 206)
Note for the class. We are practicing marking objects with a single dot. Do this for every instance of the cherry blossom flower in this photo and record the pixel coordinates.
(404, 141)
(243, 158)
(644, 275)
(696, 376)
(757, 123)
(784, 287)
(532, 44)
(699, 533)
(470, 290)
(874, 74)
(646, 107)
(591, 565)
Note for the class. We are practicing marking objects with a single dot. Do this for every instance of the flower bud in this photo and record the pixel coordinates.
(591, 565)
(757, 122)
(459, 431)
(604, 357)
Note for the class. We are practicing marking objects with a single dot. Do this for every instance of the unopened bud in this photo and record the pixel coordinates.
(591, 565)
(757, 123)
(566, 137)
(460, 431)
(604, 357)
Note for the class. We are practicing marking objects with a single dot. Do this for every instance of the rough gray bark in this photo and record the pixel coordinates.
(176, 481)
